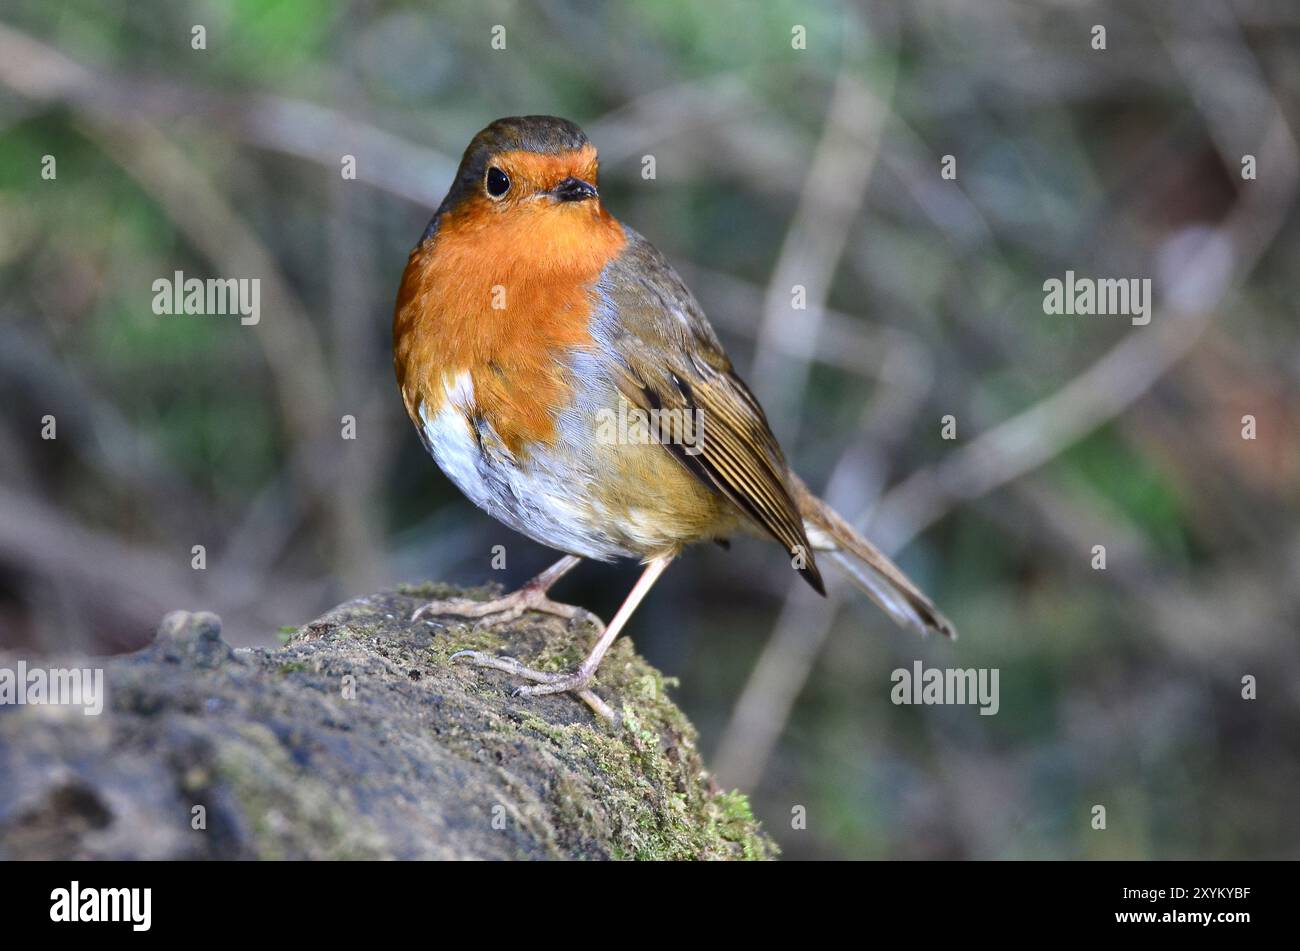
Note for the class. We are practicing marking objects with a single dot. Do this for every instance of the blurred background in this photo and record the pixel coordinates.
(774, 166)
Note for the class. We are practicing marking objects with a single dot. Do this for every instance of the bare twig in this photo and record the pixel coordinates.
(815, 241)
(290, 126)
(1199, 270)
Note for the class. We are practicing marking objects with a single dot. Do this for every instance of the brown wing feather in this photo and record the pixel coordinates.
(669, 359)
(664, 355)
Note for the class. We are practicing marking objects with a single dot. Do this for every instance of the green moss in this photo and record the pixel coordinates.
(651, 783)
(561, 781)
(425, 589)
(733, 821)
(292, 813)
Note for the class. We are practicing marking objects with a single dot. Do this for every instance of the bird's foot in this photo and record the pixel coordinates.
(578, 681)
(506, 608)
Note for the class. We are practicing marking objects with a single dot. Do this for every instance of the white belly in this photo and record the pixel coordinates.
(542, 496)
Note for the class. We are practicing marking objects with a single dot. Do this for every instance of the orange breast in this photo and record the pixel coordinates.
(501, 296)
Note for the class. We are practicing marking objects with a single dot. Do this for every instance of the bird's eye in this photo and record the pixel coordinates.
(498, 183)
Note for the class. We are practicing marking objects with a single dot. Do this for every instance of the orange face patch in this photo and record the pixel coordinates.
(500, 291)
(534, 172)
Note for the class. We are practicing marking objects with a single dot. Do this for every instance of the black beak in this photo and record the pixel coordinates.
(574, 189)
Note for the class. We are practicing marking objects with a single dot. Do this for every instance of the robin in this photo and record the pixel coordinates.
(564, 378)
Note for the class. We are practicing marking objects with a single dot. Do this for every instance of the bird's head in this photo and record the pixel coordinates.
(526, 166)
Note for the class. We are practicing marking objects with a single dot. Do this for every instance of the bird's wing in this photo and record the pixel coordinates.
(665, 356)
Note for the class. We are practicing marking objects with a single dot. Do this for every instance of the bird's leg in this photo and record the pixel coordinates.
(531, 597)
(578, 680)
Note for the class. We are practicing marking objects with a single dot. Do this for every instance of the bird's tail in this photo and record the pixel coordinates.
(866, 565)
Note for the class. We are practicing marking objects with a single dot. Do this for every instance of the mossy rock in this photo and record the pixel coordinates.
(359, 738)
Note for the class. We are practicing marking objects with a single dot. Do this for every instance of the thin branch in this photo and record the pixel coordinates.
(289, 126)
(817, 237)
(1199, 271)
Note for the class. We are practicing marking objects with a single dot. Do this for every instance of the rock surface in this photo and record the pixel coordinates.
(358, 739)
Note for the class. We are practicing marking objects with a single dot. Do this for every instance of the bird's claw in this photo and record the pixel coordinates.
(547, 682)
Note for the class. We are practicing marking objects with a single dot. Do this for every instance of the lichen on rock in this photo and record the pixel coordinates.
(358, 738)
